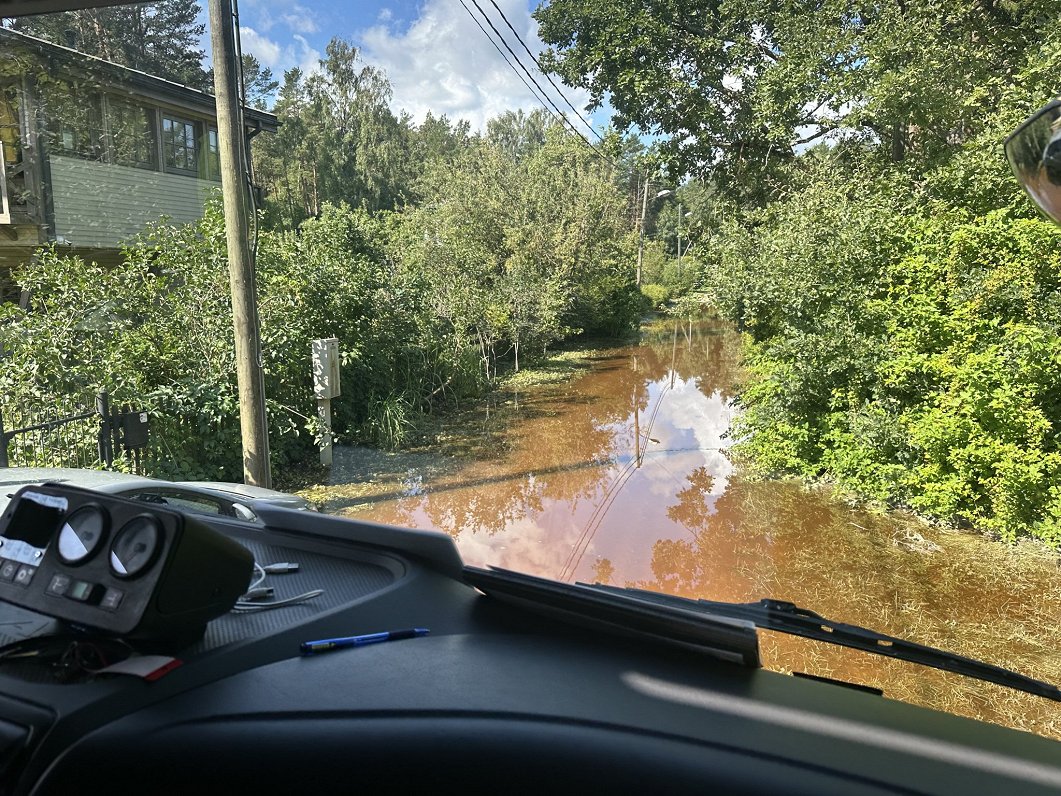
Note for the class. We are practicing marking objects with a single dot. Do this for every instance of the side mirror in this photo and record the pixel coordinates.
(1034, 154)
(243, 512)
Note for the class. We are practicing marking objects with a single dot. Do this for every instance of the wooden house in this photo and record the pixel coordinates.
(93, 151)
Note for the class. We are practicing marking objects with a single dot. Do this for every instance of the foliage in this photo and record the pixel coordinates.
(338, 141)
(910, 356)
(735, 86)
(159, 38)
(154, 331)
(519, 248)
(852, 212)
(258, 84)
(656, 296)
(505, 256)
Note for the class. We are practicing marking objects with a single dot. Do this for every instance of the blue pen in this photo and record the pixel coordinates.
(326, 644)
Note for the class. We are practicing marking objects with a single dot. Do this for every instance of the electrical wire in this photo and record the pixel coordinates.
(542, 70)
(244, 148)
(580, 548)
(526, 71)
(595, 520)
(244, 607)
(71, 656)
(261, 577)
(505, 57)
(555, 110)
(252, 601)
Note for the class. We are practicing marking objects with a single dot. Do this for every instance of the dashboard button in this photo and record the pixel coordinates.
(8, 570)
(58, 585)
(85, 592)
(112, 599)
(24, 575)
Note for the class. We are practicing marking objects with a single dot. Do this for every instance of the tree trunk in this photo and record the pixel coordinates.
(898, 141)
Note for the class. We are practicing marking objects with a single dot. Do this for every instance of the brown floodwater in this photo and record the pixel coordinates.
(620, 476)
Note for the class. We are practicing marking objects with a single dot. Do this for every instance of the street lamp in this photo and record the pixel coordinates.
(641, 231)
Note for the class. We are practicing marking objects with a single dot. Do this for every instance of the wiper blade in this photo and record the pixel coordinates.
(786, 617)
(721, 637)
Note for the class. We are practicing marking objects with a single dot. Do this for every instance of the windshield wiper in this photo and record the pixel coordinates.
(786, 617)
(729, 639)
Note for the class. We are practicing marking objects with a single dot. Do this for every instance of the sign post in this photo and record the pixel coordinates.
(326, 387)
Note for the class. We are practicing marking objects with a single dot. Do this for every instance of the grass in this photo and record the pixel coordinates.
(555, 368)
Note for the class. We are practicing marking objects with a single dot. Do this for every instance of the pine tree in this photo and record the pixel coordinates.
(161, 39)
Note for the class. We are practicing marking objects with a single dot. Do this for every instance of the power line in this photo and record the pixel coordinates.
(557, 111)
(505, 57)
(529, 75)
(542, 70)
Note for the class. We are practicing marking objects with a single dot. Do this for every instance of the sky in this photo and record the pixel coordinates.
(435, 56)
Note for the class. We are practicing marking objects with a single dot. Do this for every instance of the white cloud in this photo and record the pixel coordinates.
(308, 56)
(267, 51)
(443, 63)
(300, 20)
(257, 13)
(278, 57)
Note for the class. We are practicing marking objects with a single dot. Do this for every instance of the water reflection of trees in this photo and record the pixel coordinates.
(553, 448)
(709, 353)
(566, 449)
(569, 445)
(957, 592)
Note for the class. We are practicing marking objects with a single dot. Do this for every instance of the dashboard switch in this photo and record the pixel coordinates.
(112, 599)
(58, 585)
(24, 575)
(85, 592)
(8, 570)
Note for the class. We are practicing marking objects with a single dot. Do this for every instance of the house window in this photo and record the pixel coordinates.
(213, 155)
(74, 121)
(132, 134)
(10, 134)
(179, 145)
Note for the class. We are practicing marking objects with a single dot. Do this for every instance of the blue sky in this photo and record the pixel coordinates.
(435, 56)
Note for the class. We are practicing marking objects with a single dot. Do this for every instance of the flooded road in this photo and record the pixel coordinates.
(619, 476)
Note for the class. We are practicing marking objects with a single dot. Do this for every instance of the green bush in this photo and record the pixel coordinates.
(156, 331)
(912, 356)
(656, 296)
(418, 307)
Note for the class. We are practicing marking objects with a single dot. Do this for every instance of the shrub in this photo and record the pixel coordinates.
(912, 355)
(656, 296)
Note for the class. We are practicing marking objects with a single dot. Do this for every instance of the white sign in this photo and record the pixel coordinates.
(326, 368)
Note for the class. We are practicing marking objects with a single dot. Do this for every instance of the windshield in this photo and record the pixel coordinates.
(733, 303)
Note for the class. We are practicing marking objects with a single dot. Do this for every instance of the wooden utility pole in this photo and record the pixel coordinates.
(641, 230)
(679, 240)
(235, 191)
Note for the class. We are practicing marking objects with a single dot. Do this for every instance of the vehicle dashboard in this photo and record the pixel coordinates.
(495, 698)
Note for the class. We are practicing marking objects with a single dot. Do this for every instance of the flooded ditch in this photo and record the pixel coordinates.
(619, 475)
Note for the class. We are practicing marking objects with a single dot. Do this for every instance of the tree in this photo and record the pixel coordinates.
(161, 38)
(736, 88)
(517, 253)
(517, 133)
(338, 141)
(258, 83)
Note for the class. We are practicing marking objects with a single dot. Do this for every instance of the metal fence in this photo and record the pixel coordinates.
(85, 432)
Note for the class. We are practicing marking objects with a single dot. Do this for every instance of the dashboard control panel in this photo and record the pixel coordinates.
(114, 565)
